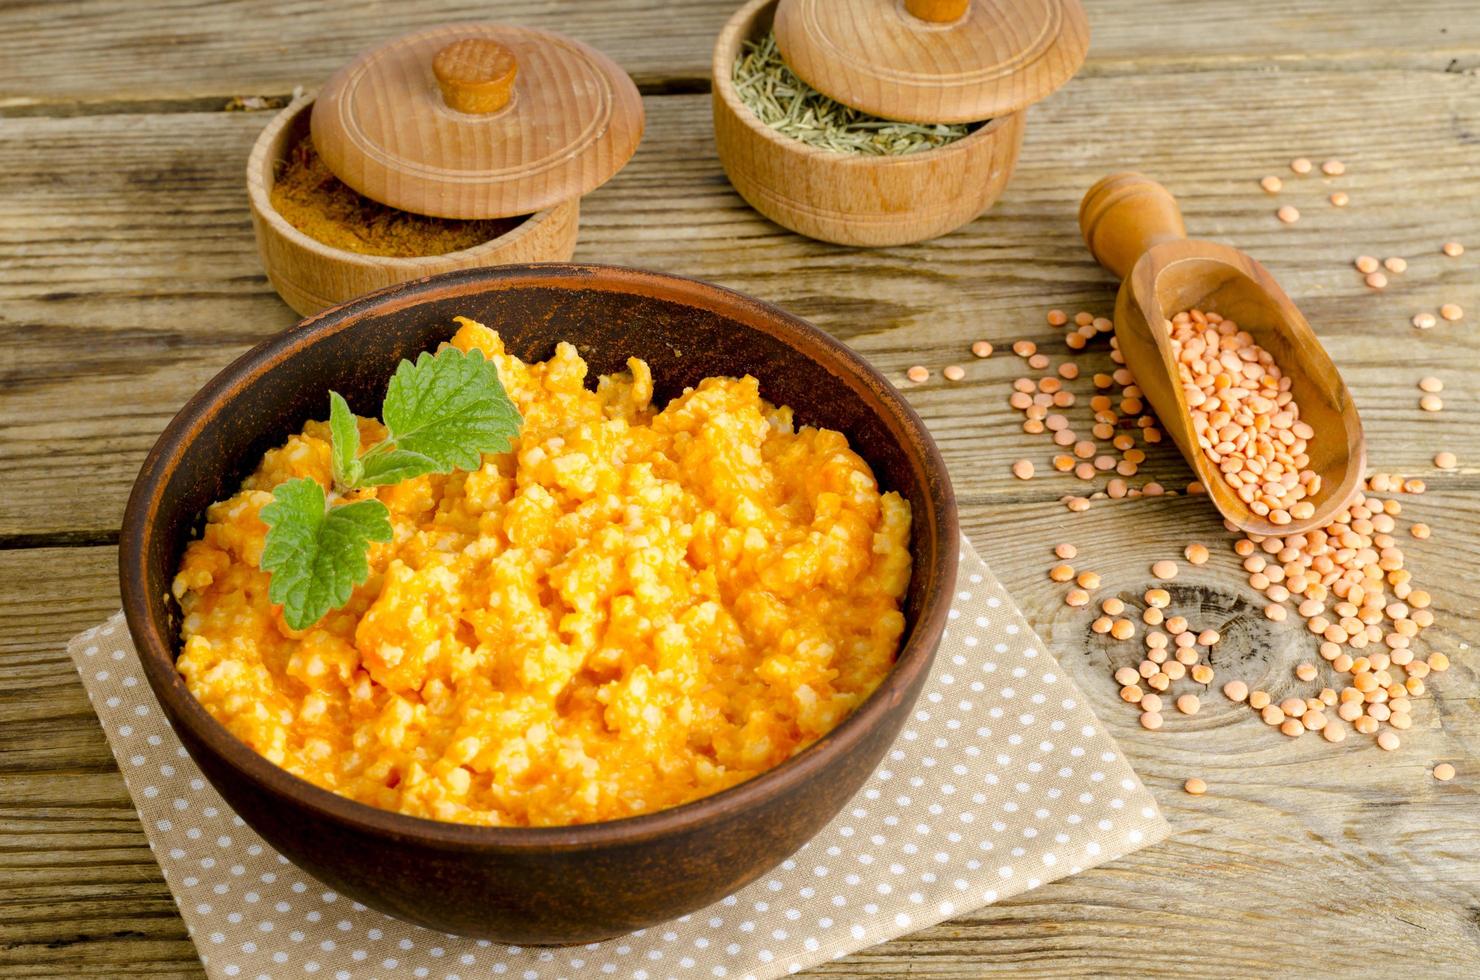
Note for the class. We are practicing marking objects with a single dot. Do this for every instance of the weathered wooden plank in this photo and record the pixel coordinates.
(1372, 832)
(128, 275)
(105, 51)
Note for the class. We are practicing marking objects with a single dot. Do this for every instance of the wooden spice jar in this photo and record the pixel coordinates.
(472, 122)
(924, 61)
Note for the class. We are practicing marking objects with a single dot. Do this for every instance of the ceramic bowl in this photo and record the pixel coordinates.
(552, 885)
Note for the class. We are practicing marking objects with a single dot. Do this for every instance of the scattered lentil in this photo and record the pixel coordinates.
(1289, 214)
(1423, 321)
(1445, 460)
(954, 372)
(1188, 704)
(1453, 249)
(1431, 403)
(1236, 691)
(1271, 184)
(1451, 311)
(1444, 772)
(1195, 786)
(981, 349)
(1340, 199)
(1333, 168)
(1300, 165)
(1377, 280)
(1196, 554)
(1396, 264)
(918, 374)
(1151, 720)
(1164, 569)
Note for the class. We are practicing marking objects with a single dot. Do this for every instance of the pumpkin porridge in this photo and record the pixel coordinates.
(633, 609)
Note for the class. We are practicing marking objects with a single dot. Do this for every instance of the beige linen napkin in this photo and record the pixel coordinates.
(1002, 780)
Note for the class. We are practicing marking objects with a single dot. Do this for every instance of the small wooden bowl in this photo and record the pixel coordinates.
(846, 198)
(545, 885)
(310, 275)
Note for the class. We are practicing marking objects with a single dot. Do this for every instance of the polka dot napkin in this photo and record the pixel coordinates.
(1003, 780)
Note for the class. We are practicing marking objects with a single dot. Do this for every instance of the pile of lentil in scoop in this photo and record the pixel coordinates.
(793, 108)
(310, 198)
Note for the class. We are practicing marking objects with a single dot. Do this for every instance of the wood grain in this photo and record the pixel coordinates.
(383, 130)
(165, 287)
(978, 61)
(310, 275)
(100, 53)
(852, 199)
(128, 277)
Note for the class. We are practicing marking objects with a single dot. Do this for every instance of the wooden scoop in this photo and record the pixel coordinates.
(1133, 228)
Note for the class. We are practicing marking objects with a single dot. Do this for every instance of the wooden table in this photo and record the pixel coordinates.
(128, 277)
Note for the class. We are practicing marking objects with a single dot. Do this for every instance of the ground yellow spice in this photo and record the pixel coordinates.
(310, 198)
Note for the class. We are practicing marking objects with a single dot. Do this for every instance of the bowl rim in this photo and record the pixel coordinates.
(156, 649)
(727, 45)
(259, 196)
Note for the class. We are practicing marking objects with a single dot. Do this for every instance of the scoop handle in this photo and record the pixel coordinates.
(1124, 215)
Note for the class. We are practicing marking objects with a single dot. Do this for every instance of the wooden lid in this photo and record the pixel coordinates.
(477, 121)
(933, 61)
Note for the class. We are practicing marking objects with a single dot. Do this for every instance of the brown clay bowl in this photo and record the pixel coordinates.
(536, 885)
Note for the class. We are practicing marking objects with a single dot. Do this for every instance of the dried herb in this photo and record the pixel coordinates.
(790, 106)
(310, 198)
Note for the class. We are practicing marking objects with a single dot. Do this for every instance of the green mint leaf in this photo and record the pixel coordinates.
(316, 553)
(385, 465)
(450, 408)
(345, 432)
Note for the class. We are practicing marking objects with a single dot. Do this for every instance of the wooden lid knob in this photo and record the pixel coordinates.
(476, 75)
(937, 11)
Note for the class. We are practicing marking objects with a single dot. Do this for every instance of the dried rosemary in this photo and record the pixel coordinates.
(792, 107)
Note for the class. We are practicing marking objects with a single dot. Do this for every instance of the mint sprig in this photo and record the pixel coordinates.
(441, 413)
